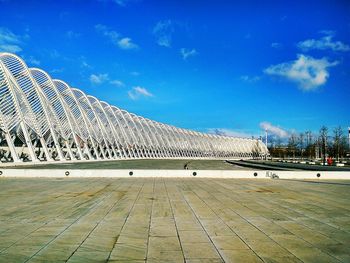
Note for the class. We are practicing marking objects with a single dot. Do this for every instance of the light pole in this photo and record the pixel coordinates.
(349, 138)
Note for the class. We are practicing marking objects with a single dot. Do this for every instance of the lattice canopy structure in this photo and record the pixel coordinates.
(44, 119)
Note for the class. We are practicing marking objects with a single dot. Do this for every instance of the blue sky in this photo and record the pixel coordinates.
(202, 65)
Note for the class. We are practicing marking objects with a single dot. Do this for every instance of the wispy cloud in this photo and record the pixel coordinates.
(323, 43)
(54, 54)
(135, 73)
(98, 78)
(9, 42)
(72, 34)
(275, 130)
(163, 32)
(276, 45)
(229, 132)
(121, 3)
(31, 60)
(126, 43)
(111, 34)
(138, 92)
(250, 79)
(119, 41)
(117, 83)
(308, 72)
(186, 53)
(56, 70)
(84, 64)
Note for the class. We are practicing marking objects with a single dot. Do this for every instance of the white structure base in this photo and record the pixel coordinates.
(57, 173)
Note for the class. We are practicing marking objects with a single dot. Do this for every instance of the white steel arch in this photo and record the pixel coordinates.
(44, 119)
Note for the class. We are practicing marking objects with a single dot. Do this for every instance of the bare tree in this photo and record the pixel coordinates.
(338, 134)
(292, 144)
(301, 144)
(308, 146)
(323, 141)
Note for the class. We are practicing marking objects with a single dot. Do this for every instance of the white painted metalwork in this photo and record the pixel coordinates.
(44, 119)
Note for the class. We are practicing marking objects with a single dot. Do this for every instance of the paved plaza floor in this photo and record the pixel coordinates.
(174, 220)
(169, 164)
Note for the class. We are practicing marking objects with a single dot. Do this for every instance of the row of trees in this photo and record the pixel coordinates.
(309, 145)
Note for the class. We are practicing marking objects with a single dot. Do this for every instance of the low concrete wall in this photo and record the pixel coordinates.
(174, 173)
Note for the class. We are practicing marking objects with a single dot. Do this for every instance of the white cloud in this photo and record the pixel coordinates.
(250, 79)
(229, 132)
(117, 83)
(186, 53)
(276, 45)
(135, 73)
(137, 92)
(9, 42)
(121, 42)
(71, 34)
(121, 3)
(32, 60)
(307, 71)
(99, 78)
(111, 34)
(10, 48)
(275, 130)
(84, 64)
(54, 54)
(163, 31)
(323, 43)
(56, 70)
(125, 43)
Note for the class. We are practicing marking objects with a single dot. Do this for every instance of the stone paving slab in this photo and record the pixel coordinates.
(173, 220)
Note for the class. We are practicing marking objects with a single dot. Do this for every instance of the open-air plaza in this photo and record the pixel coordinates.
(173, 220)
(148, 131)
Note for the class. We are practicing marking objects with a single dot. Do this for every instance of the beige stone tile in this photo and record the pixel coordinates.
(313, 255)
(182, 224)
(228, 242)
(164, 243)
(168, 255)
(199, 250)
(205, 260)
(239, 255)
(274, 259)
(216, 228)
(162, 221)
(193, 236)
(311, 221)
(128, 252)
(163, 231)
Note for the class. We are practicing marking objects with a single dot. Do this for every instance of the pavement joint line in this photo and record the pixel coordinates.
(81, 216)
(316, 182)
(126, 219)
(109, 210)
(311, 202)
(150, 219)
(313, 218)
(46, 223)
(203, 228)
(255, 228)
(332, 201)
(288, 231)
(307, 221)
(225, 223)
(173, 214)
